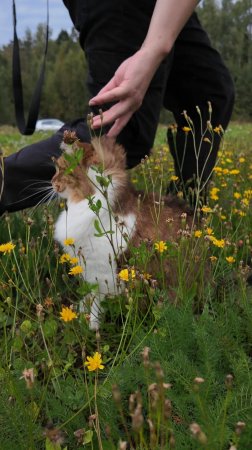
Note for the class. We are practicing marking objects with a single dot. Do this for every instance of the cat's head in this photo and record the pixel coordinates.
(83, 167)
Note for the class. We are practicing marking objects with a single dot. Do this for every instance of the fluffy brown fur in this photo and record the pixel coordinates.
(156, 218)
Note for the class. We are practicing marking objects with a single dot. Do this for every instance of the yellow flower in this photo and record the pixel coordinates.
(213, 193)
(234, 172)
(197, 233)
(69, 241)
(146, 276)
(186, 129)
(209, 231)
(230, 259)
(241, 159)
(67, 314)
(74, 260)
(64, 258)
(160, 246)
(237, 195)
(217, 169)
(213, 258)
(245, 201)
(174, 178)
(248, 193)
(94, 362)
(7, 248)
(206, 209)
(127, 274)
(218, 242)
(76, 270)
(218, 129)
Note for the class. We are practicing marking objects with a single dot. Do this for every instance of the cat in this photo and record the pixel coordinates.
(105, 215)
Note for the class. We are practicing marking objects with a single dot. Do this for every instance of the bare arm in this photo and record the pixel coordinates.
(131, 80)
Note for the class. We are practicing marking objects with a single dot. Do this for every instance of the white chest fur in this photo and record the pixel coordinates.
(97, 254)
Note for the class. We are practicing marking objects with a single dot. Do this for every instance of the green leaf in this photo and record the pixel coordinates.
(26, 326)
(88, 436)
(102, 181)
(87, 288)
(50, 327)
(51, 446)
(78, 155)
(97, 227)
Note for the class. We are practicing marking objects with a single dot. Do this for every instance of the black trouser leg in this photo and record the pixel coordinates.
(198, 76)
(27, 173)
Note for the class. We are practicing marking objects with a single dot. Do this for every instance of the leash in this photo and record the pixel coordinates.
(29, 127)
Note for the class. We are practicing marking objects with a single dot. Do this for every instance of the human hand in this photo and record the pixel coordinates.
(127, 88)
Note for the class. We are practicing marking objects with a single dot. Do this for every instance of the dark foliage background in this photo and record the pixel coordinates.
(229, 25)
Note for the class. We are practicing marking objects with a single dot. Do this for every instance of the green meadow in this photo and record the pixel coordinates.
(163, 372)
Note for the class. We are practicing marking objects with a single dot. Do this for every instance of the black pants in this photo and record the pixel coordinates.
(192, 75)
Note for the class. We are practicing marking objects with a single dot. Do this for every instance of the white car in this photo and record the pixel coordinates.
(48, 125)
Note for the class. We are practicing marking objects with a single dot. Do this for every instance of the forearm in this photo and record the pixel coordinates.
(168, 19)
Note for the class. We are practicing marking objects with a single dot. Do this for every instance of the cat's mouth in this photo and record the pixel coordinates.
(60, 190)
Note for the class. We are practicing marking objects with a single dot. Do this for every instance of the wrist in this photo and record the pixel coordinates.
(155, 52)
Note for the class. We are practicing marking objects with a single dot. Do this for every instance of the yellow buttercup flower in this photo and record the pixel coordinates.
(146, 276)
(74, 260)
(237, 195)
(7, 248)
(218, 129)
(234, 172)
(174, 178)
(209, 231)
(242, 160)
(67, 314)
(245, 201)
(127, 274)
(69, 241)
(160, 246)
(213, 193)
(217, 169)
(218, 242)
(94, 362)
(76, 270)
(230, 259)
(65, 258)
(197, 233)
(206, 209)
(186, 129)
(248, 193)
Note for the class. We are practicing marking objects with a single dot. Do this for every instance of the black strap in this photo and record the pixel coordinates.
(18, 85)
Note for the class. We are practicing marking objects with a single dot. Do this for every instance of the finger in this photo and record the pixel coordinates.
(112, 114)
(110, 85)
(113, 95)
(119, 125)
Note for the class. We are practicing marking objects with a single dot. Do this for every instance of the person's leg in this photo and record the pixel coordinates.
(198, 76)
(27, 173)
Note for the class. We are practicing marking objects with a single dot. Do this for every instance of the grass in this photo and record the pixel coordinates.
(176, 374)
